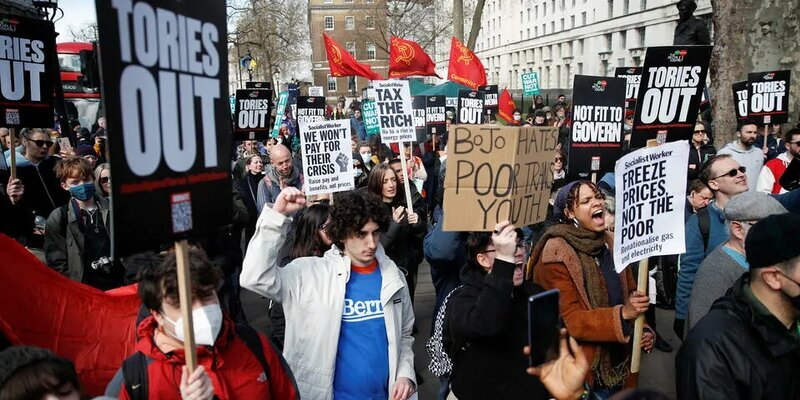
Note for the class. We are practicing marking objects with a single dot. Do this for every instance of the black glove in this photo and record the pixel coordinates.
(677, 326)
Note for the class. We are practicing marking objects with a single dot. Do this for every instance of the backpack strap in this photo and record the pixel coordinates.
(704, 223)
(134, 372)
(251, 338)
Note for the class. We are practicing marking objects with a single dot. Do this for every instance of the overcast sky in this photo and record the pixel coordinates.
(76, 13)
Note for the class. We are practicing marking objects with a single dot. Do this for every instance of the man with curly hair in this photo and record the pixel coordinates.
(348, 313)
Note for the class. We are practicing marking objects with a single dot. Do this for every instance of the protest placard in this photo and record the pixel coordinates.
(530, 84)
(327, 156)
(315, 91)
(598, 113)
(632, 76)
(251, 114)
(418, 105)
(280, 111)
(168, 122)
(497, 173)
(470, 107)
(393, 99)
(651, 184)
(26, 71)
(258, 85)
(768, 97)
(673, 78)
(369, 111)
(435, 115)
(310, 109)
(740, 103)
(490, 94)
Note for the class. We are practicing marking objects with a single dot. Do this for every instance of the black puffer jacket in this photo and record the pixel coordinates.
(697, 157)
(735, 352)
(485, 332)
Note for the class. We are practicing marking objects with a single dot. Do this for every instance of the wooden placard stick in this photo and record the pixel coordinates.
(185, 296)
(13, 135)
(407, 188)
(638, 328)
(766, 135)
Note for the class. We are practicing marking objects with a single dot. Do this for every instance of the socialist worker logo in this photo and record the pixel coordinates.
(405, 52)
(465, 55)
(337, 55)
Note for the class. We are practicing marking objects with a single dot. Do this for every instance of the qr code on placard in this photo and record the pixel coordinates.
(12, 116)
(181, 212)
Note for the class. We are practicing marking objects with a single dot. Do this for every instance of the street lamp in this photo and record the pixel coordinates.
(46, 7)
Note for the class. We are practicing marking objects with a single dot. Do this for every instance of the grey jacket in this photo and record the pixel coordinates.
(752, 159)
(716, 275)
(63, 241)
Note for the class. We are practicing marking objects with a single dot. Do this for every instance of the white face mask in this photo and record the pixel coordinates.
(366, 157)
(517, 118)
(207, 322)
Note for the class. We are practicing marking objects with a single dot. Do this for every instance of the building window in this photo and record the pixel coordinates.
(544, 9)
(640, 33)
(535, 31)
(529, 33)
(371, 52)
(583, 18)
(623, 40)
(331, 83)
(552, 26)
(562, 24)
(536, 12)
(580, 68)
(620, 62)
(351, 84)
(609, 43)
(610, 9)
(580, 46)
(351, 48)
(350, 23)
(572, 21)
(369, 22)
(625, 6)
(328, 23)
(643, 5)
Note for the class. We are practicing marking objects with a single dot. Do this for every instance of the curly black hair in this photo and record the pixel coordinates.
(574, 194)
(352, 210)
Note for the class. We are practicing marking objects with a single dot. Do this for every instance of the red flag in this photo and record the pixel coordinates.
(40, 307)
(465, 67)
(506, 107)
(341, 63)
(407, 58)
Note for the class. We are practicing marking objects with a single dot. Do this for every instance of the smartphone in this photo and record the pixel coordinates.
(544, 326)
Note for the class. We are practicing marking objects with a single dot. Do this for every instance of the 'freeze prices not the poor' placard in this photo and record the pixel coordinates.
(327, 156)
(650, 183)
(393, 99)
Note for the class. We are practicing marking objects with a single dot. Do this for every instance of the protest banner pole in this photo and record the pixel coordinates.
(638, 329)
(13, 135)
(185, 296)
(406, 186)
(766, 135)
(594, 177)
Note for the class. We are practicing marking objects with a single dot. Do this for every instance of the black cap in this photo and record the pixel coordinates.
(772, 240)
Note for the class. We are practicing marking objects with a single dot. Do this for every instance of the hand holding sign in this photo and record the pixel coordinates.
(397, 214)
(197, 385)
(635, 306)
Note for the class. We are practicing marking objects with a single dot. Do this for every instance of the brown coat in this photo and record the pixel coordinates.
(559, 268)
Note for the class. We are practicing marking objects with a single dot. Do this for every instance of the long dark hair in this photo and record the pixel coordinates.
(375, 182)
(307, 241)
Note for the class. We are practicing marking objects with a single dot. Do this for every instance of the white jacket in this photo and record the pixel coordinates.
(312, 291)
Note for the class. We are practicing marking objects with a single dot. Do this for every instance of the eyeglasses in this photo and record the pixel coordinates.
(701, 131)
(559, 159)
(732, 173)
(521, 244)
(104, 179)
(42, 143)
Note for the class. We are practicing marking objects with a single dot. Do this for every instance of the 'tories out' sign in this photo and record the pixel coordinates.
(165, 93)
(768, 97)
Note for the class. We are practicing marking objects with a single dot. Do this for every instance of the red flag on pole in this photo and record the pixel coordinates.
(407, 58)
(506, 107)
(341, 63)
(465, 67)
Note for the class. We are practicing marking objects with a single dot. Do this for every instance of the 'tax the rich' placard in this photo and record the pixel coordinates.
(166, 94)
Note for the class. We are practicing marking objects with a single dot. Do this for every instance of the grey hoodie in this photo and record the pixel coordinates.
(752, 159)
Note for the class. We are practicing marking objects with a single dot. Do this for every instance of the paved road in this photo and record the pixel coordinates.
(658, 369)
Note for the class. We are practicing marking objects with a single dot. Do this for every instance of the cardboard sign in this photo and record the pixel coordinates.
(435, 115)
(768, 97)
(26, 71)
(168, 121)
(650, 183)
(490, 95)
(740, 103)
(327, 156)
(598, 114)
(310, 109)
(530, 84)
(497, 173)
(393, 99)
(470, 107)
(673, 78)
(369, 111)
(258, 85)
(315, 91)
(251, 115)
(280, 112)
(418, 105)
(632, 76)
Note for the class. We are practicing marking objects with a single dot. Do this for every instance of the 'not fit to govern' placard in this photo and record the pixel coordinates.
(393, 99)
(327, 156)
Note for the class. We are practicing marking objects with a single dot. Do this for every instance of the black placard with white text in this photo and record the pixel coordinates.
(632, 76)
(26, 71)
(418, 104)
(258, 85)
(670, 91)
(310, 109)
(435, 115)
(490, 94)
(470, 107)
(768, 97)
(165, 89)
(598, 113)
(740, 99)
(251, 115)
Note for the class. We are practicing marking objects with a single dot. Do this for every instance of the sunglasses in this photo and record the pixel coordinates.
(42, 143)
(559, 159)
(104, 179)
(732, 173)
(701, 131)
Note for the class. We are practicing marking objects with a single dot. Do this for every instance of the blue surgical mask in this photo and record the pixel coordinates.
(82, 192)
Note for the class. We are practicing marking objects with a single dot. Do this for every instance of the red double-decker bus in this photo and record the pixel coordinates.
(82, 102)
